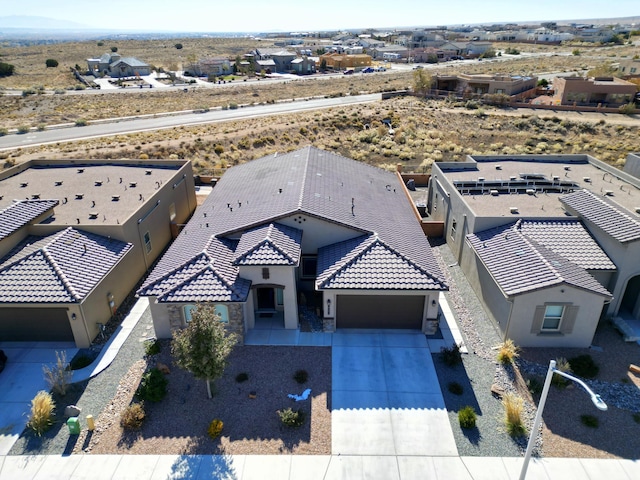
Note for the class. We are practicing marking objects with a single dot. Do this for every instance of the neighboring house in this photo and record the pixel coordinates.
(303, 65)
(550, 243)
(481, 84)
(307, 227)
(115, 66)
(390, 53)
(210, 67)
(281, 58)
(338, 61)
(83, 236)
(629, 67)
(607, 91)
(465, 49)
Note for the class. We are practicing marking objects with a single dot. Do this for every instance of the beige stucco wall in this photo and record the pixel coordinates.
(524, 306)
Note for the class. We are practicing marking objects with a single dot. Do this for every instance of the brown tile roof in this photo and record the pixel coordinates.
(22, 213)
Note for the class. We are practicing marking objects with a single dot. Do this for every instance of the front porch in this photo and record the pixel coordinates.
(269, 330)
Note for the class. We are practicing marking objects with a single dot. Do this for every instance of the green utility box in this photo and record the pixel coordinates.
(74, 425)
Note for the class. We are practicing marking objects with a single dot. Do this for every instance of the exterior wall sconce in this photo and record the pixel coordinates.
(328, 306)
(433, 303)
(73, 317)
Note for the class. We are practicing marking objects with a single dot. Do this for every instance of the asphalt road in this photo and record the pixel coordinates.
(106, 129)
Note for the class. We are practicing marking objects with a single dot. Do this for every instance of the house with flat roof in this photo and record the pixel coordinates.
(465, 85)
(76, 236)
(550, 243)
(605, 91)
(308, 228)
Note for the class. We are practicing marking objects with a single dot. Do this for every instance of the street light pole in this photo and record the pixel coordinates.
(595, 398)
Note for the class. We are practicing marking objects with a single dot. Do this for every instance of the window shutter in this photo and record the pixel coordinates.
(538, 318)
(569, 318)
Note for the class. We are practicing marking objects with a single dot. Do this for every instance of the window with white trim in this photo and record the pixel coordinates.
(221, 310)
(552, 318)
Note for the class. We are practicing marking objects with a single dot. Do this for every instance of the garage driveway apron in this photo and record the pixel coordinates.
(386, 398)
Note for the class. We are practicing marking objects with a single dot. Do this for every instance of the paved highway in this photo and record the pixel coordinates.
(134, 125)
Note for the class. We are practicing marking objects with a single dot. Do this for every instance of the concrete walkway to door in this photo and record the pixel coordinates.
(386, 397)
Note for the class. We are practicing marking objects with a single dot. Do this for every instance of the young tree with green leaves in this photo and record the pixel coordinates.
(204, 346)
(421, 81)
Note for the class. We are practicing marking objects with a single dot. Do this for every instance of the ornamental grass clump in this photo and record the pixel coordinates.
(133, 416)
(513, 408)
(291, 418)
(41, 417)
(215, 428)
(467, 417)
(508, 352)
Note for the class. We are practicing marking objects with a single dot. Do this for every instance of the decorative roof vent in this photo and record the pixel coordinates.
(98, 183)
(494, 193)
(93, 215)
(81, 170)
(79, 196)
(58, 183)
(498, 167)
(133, 184)
(567, 168)
(637, 209)
(147, 172)
(513, 209)
(35, 196)
(555, 178)
(608, 193)
(587, 179)
(530, 191)
(115, 198)
(481, 179)
(513, 178)
(24, 184)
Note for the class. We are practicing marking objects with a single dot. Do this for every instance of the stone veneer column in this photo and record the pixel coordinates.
(235, 325)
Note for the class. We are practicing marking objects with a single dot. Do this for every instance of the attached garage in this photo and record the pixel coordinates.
(380, 311)
(35, 324)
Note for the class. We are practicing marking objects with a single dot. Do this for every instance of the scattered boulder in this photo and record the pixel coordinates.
(72, 411)
(163, 368)
(497, 391)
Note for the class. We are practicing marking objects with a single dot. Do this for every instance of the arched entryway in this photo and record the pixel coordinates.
(630, 304)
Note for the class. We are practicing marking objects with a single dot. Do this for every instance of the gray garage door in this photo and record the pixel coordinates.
(384, 311)
(36, 324)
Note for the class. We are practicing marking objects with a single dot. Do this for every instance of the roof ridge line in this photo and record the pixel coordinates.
(535, 247)
(63, 278)
(614, 206)
(176, 269)
(304, 178)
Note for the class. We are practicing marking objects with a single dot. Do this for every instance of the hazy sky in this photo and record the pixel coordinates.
(303, 15)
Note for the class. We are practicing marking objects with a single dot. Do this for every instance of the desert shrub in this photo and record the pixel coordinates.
(467, 417)
(584, 366)
(42, 408)
(576, 52)
(242, 377)
(513, 407)
(589, 421)
(455, 388)
(152, 347)
(215, 428)
(451, 356)
(233, 106)
(81, 360)
(81, 122)
(51, 63)
(3, 132)
(291, 418)
(22, 129)
(472, 105)
(41, 127)
(218, 149)
(28, 91)
(558, 380)
(9, 162)
(301, 376)
(178, 46)
(153, 386)
(133, 416)
(58, 376)
(114, 49)
(534, 385)
(508, 352)
(6, 69)
(627, 109)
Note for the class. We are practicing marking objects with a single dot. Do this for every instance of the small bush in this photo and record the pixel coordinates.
(558, 380)
(22, 129)
(41, 127)
(133, 416)
(589, 421)
(153, 386)
(4, 131)
(534, 385)
(291, 418)
(51, 63)
(219, 149)
(178, 46)
(233, 106)
(79, 86)
(242, 377)
(301, 376)
(467, 417)
(114, 49)
(28, 91)
(508, 352)
(81, 122)
(59, 375)
(215, 428)
(627, 109)
(455, 388)
(451, 356)
(42, 407)
(59, 91)
(584, 366)
(513, 407)
(152, 347)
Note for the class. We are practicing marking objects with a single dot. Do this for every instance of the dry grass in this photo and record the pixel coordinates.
(508, 352)
(41, 417)
(513, 410)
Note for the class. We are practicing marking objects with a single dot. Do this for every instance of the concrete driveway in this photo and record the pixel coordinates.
(21, 379)
(386, 398)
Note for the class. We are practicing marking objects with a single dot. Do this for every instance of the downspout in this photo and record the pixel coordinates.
(506, 330)
(84, 322)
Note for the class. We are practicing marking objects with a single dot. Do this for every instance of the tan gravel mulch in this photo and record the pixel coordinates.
(178, 424)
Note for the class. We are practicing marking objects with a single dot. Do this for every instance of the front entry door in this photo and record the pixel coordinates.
(266, 298)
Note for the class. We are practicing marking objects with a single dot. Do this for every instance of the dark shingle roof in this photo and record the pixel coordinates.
(519, 264)
(59, 268)
(615, 220)
(368, 263)
(570, 239)
(22, 213)
(272, 244)
(305, 183)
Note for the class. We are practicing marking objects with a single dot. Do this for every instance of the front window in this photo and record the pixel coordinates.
(309, 266)
(221, 310)
(552, 318)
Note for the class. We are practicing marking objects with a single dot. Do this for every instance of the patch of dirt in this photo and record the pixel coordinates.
(178, 424)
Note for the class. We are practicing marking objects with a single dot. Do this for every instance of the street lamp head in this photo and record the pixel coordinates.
(599, 403)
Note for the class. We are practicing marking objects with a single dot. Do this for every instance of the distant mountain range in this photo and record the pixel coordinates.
(43, 23)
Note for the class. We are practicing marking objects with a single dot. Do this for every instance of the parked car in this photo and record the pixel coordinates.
(381, 69)
(348, 72)
(418, 67)
(368, 70)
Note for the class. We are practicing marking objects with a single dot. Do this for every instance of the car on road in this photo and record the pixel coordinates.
(348, 72)
(418, 67)
(368, 70)
(381, 69)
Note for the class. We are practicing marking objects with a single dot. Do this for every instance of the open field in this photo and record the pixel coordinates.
(424, 132)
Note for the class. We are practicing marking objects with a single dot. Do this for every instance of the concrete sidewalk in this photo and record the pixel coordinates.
(307, 467)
